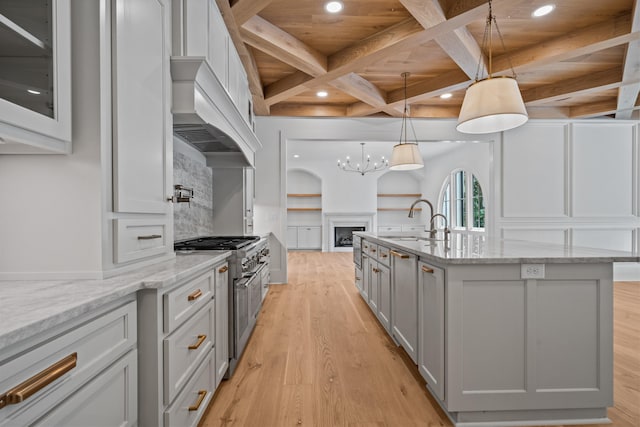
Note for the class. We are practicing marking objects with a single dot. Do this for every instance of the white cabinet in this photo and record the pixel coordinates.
(141, 105)
(404, 321)
(184, 345)
(83, 370)
(233, 192)
(304, 237)
(366, 277)
(221, 347)
(35, 77)
(431, 324)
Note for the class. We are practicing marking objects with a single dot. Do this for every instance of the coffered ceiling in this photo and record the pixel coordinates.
(582, 60)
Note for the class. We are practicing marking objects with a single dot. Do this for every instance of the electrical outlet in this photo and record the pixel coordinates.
(532, 271)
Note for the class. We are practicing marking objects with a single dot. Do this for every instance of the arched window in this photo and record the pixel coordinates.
(461, 201)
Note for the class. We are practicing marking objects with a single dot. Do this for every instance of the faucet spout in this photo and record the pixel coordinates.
(446, 225)
(432, 231)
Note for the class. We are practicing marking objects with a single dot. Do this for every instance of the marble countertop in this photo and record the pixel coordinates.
(481, 249)
(28, 307)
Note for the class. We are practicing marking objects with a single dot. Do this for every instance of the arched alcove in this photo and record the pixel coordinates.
(396, 192)
(304, 210)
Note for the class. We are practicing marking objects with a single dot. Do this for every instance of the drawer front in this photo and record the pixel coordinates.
(95, 345)
(182, 302)
(370, 249)
(389, 228)
(191, 403)
(139, 238)
(413, 228)
(185, 349)
(111, 399)
(383, 255)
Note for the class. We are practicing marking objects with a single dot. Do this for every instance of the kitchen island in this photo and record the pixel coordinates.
(504, 332)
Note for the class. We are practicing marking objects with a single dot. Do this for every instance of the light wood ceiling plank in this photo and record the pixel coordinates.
(270, 39)
(591, 83)
(580, 42)
(255, 85)
(458, 44)
(245, 9)
(594, 109)
(305, 110)
(628, 93)
(286, 88)
(439, 111)
(364, 90)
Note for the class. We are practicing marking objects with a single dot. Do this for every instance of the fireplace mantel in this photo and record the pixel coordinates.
(343, 219)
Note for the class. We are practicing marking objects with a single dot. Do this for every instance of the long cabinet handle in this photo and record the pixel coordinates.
(201, 339)
(195, 295)
(150, 237)
(427, 269)
(37, 382)
(223, 269)
(399, 255)
(201, 395)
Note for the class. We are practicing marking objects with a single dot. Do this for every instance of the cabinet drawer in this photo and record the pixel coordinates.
(413, 228)
(191, 403)
(138, 238)
(182, 302)
(370, 249)
(383, 255)
(110, 399)
(185, 349)
(389, 228)
(358, 278)
(85, 351)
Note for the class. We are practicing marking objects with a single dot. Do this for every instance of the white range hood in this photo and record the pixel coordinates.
(205, 116)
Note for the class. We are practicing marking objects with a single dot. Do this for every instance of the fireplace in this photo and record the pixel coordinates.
(343, 236)
(349, 221)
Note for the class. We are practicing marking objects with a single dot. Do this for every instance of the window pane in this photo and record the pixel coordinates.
(478, 205)
(461, 195)
(446, 206)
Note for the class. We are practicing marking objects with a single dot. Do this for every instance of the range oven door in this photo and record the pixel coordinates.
(244, 320)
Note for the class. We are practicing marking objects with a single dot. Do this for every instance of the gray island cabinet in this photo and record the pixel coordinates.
(509, 332)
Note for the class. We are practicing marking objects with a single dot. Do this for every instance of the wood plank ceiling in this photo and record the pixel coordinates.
(582, 60)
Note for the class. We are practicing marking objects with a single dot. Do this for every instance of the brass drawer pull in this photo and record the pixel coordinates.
(384, 255)
(201, 339)
(201, 395)
(358, 278)
(194, 296)
(37, 382)
(223, 269)
(427, 269)
(376, 270)
(399, 255)
(373, 250)
(150, 237)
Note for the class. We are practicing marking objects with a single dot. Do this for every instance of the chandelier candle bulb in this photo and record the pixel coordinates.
(365, 166)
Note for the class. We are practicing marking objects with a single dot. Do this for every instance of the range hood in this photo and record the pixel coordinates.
(205, 116)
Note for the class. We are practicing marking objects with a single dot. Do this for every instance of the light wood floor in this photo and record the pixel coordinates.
(318, 357)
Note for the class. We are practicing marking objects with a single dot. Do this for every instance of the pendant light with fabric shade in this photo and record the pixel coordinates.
(493, 104)
(406, 155)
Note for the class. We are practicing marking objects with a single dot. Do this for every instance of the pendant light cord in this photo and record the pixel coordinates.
(487, 40)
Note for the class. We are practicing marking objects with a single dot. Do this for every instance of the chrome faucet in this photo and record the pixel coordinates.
(432, 230)
(446, 226)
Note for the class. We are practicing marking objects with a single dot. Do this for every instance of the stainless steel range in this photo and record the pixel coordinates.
(247, 264)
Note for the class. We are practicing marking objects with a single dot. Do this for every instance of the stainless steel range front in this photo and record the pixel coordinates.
(249, 259)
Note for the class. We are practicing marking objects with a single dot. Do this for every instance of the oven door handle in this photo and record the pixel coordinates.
(243, 283)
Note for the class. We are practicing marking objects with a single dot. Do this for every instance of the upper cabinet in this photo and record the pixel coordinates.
(35, 77)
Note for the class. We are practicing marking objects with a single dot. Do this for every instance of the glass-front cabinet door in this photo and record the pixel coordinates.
(35, 76)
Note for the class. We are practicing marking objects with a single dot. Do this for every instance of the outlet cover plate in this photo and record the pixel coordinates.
(532, 271)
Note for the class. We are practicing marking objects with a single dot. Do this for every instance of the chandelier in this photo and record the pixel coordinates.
(405, 155)
(365, 164)
(492, 104)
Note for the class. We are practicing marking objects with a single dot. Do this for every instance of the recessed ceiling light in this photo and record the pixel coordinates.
(333, 6)
(296, 156)
(33, 92)
(322, 93)
(544, 10)
(446, 95)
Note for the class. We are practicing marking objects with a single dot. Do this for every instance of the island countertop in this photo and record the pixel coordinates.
(28, 307)
(482, 249)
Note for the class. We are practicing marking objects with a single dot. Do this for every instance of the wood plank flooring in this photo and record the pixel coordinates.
(319, 357)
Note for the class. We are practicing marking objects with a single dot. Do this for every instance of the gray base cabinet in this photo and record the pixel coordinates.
(431, 327)
(404, 299)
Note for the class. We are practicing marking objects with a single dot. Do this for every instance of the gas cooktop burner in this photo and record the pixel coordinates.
(210, 243)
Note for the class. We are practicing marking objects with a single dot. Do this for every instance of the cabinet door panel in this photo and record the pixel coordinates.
(431, 327)
(374, 286)
(218, 45)
(140, 105)
(384, 304)
(405, 301)
(222, 322)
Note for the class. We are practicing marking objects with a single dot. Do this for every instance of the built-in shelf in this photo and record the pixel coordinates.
(398, 209)
(304, 209)
(414, 195)
(304, 195)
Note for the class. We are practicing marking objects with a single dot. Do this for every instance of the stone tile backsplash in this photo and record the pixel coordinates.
(195, 220)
